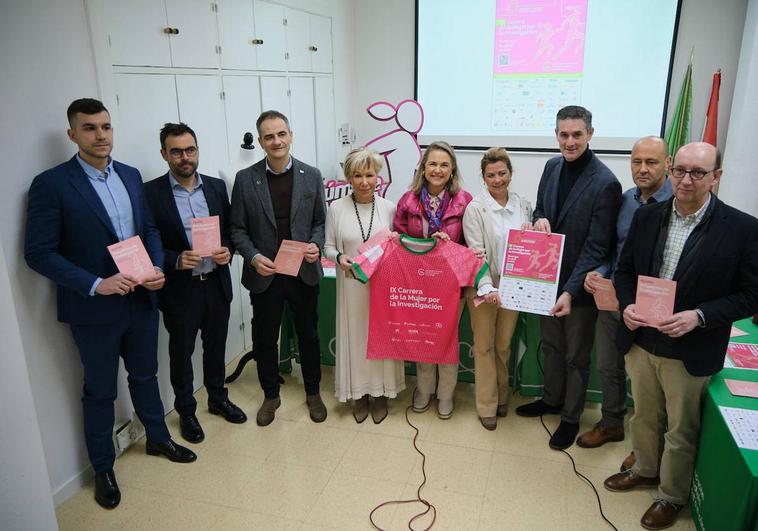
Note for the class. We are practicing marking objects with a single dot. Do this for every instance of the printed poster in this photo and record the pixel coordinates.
(530, 270)
(743, 356)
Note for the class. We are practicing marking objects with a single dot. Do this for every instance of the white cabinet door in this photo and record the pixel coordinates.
(243, 106)
(326, 128)
(201, 107)
(236, 31)
(145, 103)
(195, 44)
(321, 40)
(302, 119)
(275, 94)
(269, 27)
(136, 32)
(235, 337)
(298, 40)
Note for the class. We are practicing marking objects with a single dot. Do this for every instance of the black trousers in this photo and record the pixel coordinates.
(267, 318)
(205, 308)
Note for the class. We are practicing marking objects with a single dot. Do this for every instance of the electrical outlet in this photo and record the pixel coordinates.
(127, 433)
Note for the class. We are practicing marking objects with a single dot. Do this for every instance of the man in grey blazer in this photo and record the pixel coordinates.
(280, 198)
(578, 197)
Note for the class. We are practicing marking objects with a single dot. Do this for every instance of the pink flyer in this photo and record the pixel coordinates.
(539, 37)
(530, 271)
(655, 299)
(743, 356)
(132, 259)
(742, 388)
(206, 235)
(605, 295)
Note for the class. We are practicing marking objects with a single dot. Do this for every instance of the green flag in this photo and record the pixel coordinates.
(678, 132)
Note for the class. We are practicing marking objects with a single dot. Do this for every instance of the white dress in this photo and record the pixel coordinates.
(354, 375)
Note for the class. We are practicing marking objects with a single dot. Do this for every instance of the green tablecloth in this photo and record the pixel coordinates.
(525, 364)
(725, 485)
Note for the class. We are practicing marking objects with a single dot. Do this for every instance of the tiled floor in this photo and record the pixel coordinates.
(295, 474)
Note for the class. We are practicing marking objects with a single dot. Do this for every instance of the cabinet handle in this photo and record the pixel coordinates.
(312, 48)
(256, 41)
(171, 31)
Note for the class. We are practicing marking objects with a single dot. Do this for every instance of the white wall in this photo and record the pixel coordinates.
(738, 183)
(25, 501)
(384, 66)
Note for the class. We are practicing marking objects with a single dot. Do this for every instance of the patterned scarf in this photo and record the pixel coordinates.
(434, 208)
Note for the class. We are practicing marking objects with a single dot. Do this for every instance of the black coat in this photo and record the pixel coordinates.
(717, 273)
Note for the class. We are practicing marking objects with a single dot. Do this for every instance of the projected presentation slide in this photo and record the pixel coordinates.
(495, 72)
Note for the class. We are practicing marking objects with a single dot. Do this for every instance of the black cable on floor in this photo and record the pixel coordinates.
(573, 463)
(418, 498)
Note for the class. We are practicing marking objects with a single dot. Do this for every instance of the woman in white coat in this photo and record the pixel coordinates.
(350, 222)
(486, 222)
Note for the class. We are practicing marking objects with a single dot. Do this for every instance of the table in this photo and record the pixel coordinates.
(525, 364)
(725, 484)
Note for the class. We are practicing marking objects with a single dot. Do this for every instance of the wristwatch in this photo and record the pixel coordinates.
(700, 318)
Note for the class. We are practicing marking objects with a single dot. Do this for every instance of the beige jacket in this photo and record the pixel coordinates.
(479, 233)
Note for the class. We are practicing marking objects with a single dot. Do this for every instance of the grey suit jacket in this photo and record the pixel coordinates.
(253, 227)
(587, 219)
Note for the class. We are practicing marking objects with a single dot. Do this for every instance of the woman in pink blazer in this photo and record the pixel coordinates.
(433, 207)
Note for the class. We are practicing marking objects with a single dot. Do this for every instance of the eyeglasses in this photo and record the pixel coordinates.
(696, 174)
(177, 153)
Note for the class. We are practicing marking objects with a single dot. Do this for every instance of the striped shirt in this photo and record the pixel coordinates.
(680, 228)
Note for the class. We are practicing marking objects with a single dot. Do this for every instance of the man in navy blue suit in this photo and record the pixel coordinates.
(198, 289)
(75, 211)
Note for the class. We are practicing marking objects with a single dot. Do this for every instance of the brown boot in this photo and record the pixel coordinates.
(489, 423)
(599, 435)
(624, 481)
(660, 515)
(502, 410)
(628, 463)
(360, 409)
(379, 409)
(267, 411)
(316, 407)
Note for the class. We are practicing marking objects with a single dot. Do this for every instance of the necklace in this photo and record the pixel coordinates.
(364, 237)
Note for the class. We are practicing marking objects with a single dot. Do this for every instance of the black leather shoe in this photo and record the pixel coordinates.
(107, 493)
(229, 411)
(537, 409)
(191, 429)
(174, 452)
(564, 436)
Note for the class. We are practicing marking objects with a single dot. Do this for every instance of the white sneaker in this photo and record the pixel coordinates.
(421, 401)
(445, 408)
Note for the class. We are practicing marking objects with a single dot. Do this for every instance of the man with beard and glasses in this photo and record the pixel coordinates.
(198, 289)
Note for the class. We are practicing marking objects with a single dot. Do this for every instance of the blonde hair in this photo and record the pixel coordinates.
(453, 185)
(360, 159)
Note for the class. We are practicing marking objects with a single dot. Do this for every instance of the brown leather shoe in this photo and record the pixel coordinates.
(316, 407)
(628, 463)
(628, 480)
(599, 435)
(660, 515)
(489, 422)
(267, 411)
(502, 410)
(379, 409)
(360, 409)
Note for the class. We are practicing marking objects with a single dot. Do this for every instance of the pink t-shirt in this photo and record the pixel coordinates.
(415, 289)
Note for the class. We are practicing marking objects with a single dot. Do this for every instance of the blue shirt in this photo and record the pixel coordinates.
(631, 201)
(114, 197)
(192, 204)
